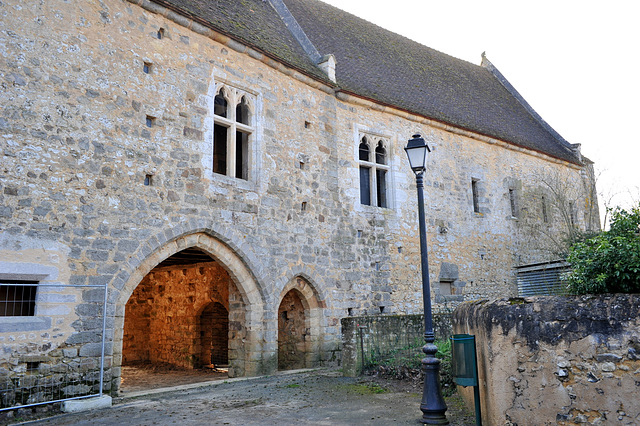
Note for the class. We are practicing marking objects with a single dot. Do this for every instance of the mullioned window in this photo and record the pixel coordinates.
(233, 132)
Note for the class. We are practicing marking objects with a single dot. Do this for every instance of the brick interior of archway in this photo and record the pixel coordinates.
(175, 316)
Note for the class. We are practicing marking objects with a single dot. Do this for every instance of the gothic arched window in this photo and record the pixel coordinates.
(373, 173)
(232, 133)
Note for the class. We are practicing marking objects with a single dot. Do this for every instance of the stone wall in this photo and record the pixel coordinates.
(106, 144)
(379, 336)
(556, 360)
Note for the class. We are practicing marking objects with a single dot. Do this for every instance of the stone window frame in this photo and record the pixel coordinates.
(544, 209)
(514, 198)
(573, 214)
(513, 203)
(374, 139)
(474, 195)
(235, 97)
(449, 278)
(479, 202)
(21, 272)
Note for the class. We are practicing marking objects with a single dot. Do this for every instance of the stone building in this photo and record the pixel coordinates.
(230, 177)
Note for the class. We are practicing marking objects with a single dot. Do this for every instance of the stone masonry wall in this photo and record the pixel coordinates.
(91, 192)
(379, 336)
(556, 360)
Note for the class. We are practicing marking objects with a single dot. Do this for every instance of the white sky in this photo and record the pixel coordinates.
(577, 63)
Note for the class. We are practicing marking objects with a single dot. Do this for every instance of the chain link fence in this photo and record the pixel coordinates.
(43, 357)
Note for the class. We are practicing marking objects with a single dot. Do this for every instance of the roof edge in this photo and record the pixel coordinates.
(348, 96)
(573, 148)
(182, 18)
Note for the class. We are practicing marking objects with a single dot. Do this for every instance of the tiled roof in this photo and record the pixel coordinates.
(377, 64)
(252, 22)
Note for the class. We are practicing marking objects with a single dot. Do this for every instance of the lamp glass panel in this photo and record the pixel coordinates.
(417, 157)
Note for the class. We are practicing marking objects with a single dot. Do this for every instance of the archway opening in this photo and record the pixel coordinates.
(292, 332)
(177, 320)
(214, 336)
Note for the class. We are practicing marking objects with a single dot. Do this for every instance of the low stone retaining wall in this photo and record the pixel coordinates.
(382, 335)
(556, 360)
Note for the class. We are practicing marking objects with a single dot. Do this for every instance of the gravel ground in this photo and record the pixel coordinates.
(319, 397)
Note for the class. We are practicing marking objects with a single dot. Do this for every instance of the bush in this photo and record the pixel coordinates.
(610, 261)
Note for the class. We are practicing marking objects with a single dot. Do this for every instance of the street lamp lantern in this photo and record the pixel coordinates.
(417, 150)
(432, 406)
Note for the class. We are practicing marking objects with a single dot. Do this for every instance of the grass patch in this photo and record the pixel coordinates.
(364, 388)
(292, 385)
(406, 361)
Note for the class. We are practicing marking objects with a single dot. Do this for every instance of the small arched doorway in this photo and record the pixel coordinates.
(292, 332)
(214, 336)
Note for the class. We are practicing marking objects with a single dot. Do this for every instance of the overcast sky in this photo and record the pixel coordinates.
(575, 62)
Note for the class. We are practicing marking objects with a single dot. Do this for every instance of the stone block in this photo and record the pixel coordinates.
(93, 350)
(70, 352)
(87, 404)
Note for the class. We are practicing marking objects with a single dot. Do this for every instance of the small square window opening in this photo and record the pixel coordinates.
(33, 366)
(146, 67)
(150, 121)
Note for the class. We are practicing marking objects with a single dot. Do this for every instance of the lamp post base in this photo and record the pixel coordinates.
(433, 406)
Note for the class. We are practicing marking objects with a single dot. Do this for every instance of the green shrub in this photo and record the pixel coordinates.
(610, 261)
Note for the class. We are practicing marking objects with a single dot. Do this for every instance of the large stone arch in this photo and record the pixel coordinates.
(247, 359)
(313, 305)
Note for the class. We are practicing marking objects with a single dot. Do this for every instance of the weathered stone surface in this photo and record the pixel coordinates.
(76, 152)
(569, 354)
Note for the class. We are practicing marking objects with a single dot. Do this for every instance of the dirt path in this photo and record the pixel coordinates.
(321, 397)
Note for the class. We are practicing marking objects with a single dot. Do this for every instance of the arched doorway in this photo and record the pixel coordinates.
(163, 317)
(299, 325)
(214, 336)
(177, 281)
(292, 332)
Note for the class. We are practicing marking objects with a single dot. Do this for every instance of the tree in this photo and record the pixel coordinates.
(610, 261)
(558, 210)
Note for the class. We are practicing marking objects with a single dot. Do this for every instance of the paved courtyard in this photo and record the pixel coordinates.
(320, 397)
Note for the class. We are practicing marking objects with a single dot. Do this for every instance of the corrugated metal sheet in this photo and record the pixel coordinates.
(542, 279)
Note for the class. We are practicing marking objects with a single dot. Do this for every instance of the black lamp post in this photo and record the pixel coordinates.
(432, 406)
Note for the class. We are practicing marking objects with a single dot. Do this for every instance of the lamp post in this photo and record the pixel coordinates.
(432, 406)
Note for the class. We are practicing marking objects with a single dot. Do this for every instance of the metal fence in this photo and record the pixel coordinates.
(39, 364)
(370, 340)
